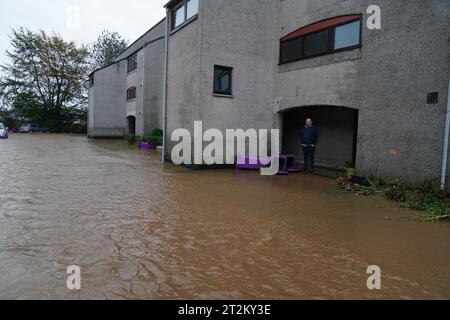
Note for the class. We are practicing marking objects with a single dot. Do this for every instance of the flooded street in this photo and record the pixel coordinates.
(140, 230)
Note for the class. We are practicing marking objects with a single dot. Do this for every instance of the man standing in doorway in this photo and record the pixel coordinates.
(309, 140)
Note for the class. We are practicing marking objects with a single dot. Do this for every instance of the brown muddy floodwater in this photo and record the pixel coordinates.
(140, 230)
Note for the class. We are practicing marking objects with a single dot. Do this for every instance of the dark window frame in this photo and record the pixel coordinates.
(132, 63)
(331, 40)
(216, 90)
(433, 98)
(186, 20)
(131, 93)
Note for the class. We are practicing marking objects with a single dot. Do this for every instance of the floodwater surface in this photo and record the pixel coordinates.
(142, 230)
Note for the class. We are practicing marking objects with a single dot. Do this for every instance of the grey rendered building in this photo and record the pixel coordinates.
(126, 97)
(379, 96)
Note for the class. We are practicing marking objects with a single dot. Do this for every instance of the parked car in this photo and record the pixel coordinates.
(32, 128)
(3, 131)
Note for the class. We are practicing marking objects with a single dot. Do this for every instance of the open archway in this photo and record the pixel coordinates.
(338, 134)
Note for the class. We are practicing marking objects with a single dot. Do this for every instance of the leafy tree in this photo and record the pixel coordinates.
(46, 79)
(106, 49)
(8, 118)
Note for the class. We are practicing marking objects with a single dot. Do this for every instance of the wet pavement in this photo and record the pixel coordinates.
(140, 230)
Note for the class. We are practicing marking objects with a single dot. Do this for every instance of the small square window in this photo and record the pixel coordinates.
(433, 98)
(131, 93)
(223, 80)
(132, 63)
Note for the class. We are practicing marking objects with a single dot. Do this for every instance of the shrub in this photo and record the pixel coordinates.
(156, 137)
(431, 199)
(132, 139)
(158, 133)
(395, 191)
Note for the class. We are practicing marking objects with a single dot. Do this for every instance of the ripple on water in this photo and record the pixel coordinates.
(141, 230)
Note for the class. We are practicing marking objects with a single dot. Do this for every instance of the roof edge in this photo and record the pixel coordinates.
(143, 35)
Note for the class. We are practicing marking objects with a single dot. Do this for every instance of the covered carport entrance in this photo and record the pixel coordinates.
(338, 134)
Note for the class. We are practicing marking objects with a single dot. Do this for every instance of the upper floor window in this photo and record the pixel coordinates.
(183, 12)
(131, 93)
(347, 35)
(132, 63)
(222, 80)
(324, 37)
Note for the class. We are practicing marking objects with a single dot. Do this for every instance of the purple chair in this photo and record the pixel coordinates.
(283, 160)
(290, 165)
(251, 163)
(146, 145)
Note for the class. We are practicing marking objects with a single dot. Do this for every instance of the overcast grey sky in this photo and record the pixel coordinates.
(79, 20)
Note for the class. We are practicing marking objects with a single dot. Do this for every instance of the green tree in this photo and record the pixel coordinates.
(8, 118)
(106, 49)
(46, 78)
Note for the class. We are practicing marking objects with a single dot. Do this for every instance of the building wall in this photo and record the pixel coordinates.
(107, 103)
(387, 80)
(132, 81)
(153, 79)
(406, 60)
(235, 34)
(157, 31)
(228, 33)
(108, 106)
(183, 96)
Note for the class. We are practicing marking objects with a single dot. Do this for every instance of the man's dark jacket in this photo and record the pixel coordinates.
(310, 136)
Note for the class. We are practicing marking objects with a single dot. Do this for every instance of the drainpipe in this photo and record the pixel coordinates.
(447, 132)
(166, 69)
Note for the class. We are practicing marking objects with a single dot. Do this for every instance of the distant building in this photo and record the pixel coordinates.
(378, 96)
(126, 97)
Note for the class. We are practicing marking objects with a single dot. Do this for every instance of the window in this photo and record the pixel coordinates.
(131, 93)
(179, 17)
(347, 35)
(291, 50)
(183, 12)
(222, 80)
(192, 8)
(324, 37)
(91, 80)
(316, 43)
(433, 98)
(132, 63)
